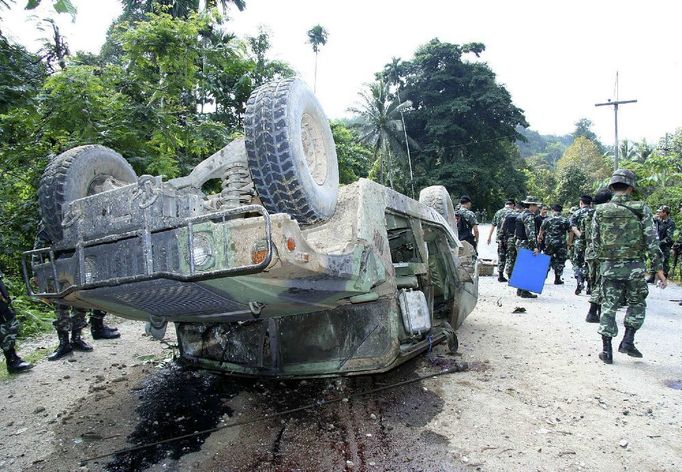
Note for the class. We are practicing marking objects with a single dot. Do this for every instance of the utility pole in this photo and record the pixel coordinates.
(615, 112)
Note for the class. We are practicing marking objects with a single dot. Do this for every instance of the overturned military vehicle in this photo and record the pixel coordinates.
(282, 273)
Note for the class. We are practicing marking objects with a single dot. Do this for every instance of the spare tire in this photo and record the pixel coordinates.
(291, 151)
(77, 173)
(438, 198)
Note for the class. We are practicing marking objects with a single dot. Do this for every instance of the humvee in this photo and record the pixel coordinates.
(282, 273)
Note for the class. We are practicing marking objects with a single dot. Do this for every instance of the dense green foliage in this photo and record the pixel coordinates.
(461, 123)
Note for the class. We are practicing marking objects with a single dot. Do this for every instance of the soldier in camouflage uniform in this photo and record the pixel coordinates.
(98, 329)
(69, 320)
(665, 230)
(509, 235)
(467, 225)
(553, 236)
(622, 234)
(526, 237)
(9, 328)
(498, 220)
(591, 263)
(578, 256)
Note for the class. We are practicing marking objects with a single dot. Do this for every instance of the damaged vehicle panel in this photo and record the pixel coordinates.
(283, 273)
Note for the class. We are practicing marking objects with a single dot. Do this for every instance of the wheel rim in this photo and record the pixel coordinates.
(313, 148)
(102, 183)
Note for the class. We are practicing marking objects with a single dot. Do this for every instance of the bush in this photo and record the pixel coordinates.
(35, 317)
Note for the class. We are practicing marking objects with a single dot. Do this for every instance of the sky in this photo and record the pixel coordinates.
(557, 58)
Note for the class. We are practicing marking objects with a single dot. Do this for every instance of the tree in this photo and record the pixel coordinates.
(463, 121)
(136, 9)
(60, 6)
(572, 182)
(21, 75)
(354, 158)
(583, 128)
(380, 128)
(584, 154)
(317, 36)
(392, 77)
(265, 70)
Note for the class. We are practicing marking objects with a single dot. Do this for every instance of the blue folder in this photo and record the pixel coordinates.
(530, 271)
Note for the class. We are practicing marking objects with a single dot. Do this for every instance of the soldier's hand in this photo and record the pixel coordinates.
(536, 251)
(488, 240)
(662, 281)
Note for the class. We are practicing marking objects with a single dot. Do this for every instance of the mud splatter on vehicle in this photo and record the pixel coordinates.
(281, 274)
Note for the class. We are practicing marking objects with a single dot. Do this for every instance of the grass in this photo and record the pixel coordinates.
(32, 357)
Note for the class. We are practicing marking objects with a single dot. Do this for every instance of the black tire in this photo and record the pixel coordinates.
(75, 174)
(438, 198)
(291, 151)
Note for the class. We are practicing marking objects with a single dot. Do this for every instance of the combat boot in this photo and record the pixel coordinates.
(607, 352)
(16, 364)
(593, 314)
(77, 343)
(557, 279)
(579, 287)
(526, 294)
(627, 345)
(501, 278)
(101, 331)
(64, 347)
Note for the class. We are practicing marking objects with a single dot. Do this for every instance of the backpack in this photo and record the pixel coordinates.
(620, 230)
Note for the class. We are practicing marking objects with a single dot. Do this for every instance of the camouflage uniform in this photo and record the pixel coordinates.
(9, 325)
(9, 328)
(467, 220)
(554, 229)
(527, 219)
(665, 229)
(591, 262)
(526, 238)
(69, 319)
(622, 231)
(498, 219)
(578, 254)
(509, 238)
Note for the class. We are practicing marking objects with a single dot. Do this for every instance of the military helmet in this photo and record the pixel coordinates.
(664, 208)
(623, 176)
(531, 200)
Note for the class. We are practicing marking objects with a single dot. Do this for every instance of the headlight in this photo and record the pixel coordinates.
(202, 252)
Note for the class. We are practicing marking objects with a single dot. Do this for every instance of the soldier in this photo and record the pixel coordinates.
(526, 237)
(539, 218)
(578, 256)
(9, 328)
(509, 235)
(498, 220)
(665, 229)
(467, 225)
(69, 320)
(592, 265)
(553, 235)
(98, 329)
(622, 233)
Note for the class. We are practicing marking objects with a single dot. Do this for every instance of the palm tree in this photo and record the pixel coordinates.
(317, 36)
(392, 74)
(643, 150)
(381, 126)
